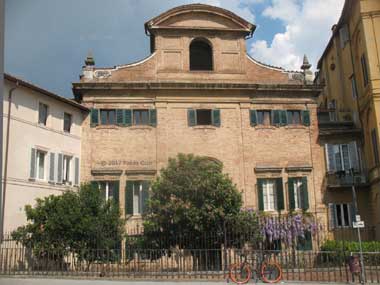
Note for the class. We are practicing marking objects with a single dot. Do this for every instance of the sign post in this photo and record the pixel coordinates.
(2, 31)
(358, 225)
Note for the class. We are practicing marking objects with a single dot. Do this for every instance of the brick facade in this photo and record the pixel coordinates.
(236, 85)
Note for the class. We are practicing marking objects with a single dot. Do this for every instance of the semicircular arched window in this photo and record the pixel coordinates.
(200, 55)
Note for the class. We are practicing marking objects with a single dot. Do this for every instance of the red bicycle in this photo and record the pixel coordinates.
(269, 271)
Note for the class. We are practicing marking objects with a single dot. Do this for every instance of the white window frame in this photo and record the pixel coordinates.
(345, 224)
(38, 158)
(137, 198)
(297, 193)
(64, 169)
(269, 195)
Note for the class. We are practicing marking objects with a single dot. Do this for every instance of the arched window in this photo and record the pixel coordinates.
(200, 55)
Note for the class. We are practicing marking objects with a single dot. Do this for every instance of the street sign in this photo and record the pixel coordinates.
(357, 218)
(357, 225)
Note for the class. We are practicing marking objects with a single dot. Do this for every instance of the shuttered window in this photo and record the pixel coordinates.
(42, 114)
(270, 194)
(110, 190)
(136, 197)
(298, 193)
(342, 157)
(41, 162)
(108, 116)
(364, 70)
(67, 177)
(264, 117)
(203, 117)
(340, 215)
(375, 147)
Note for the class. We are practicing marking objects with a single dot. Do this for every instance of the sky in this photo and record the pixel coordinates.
(46, 41)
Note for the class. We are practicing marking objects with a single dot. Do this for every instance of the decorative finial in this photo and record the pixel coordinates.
(305, 65)
(89, 61)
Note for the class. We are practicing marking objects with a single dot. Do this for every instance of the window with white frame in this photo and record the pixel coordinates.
(297, 193)
(40, 163)
(340, 215)
(109, 189)
(67, 169)
(269, 195)
(342, 157)
(136, 197)
(42, 113)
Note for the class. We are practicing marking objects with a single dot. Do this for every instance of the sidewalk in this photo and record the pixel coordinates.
(52, 281)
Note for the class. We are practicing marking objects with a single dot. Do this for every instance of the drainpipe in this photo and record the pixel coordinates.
(6, 157)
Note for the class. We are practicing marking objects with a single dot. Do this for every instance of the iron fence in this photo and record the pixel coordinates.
(184, 264)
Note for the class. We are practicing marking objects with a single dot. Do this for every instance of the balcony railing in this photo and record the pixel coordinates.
(345, 179)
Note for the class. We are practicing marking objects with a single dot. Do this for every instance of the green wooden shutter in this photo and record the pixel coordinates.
(127, 117)
(260, 194)
(145, 195)
(283, 118)
(275, 117)
(95, 186)
(253, 117)
(215, 117)
(280, 194)
(292, 203)
(306, 117)
(129, 198)
(119, 117)
(153, 117)
(305, 194)
(94, 117)
(191, 117)
(116, 197)
(33, 164)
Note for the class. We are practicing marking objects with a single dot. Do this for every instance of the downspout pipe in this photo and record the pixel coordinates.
(10, 93)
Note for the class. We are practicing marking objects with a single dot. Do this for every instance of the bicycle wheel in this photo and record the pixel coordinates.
(271, 272)
(240, 273)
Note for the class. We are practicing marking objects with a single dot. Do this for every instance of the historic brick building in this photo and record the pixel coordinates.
(200, 92)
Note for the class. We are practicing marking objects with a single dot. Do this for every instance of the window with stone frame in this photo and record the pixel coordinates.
(108, 116)
(136, 196)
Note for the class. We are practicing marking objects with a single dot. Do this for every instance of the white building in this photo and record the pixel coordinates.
(42, 157)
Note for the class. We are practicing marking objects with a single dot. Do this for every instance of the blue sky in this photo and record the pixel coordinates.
(46, 41)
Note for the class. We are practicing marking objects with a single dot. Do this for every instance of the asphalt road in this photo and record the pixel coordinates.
(51, 281)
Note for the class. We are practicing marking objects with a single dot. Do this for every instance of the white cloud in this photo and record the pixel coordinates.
(307, 29)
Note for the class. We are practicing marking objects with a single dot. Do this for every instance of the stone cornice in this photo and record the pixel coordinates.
(82, 87)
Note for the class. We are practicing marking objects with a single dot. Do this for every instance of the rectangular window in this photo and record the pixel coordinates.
(140, 196)
(298, 193)
(342, 157)
(344, 35)
(67, 122)
(375, 147)
(67, 169)
(41, 156)
(264, 117)
(269, 195)
(353, 88)
(42, 114)
(204, 117)
(343, 215)
(108, 116)
(364, 70)
(141, 117)
(294, 117)
(109, 189)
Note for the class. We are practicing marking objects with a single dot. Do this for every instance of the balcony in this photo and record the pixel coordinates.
(332, 122)
(344, 179)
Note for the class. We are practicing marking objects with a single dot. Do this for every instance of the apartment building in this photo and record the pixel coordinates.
(348, 114)
(41, 146)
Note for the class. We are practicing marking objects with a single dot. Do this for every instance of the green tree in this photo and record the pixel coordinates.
(79, 222)
(193, 199)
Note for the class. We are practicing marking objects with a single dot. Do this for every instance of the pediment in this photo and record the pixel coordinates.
(199, 16)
